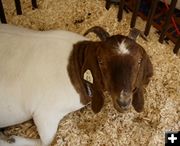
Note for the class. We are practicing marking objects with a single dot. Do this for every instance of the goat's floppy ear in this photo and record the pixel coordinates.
(91, 74)
(138, 100)
(148, 69)
(97, 98)
(74, 67)
(145, 73)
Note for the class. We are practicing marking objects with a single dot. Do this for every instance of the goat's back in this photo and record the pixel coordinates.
(33, 73)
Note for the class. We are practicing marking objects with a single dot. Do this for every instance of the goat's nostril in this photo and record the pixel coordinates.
(124, 103)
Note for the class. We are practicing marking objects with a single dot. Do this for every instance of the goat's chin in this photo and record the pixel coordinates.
(121, 109)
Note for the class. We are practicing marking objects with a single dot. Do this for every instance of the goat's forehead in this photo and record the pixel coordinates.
(120, 47)
(127, 46)
(123, 48)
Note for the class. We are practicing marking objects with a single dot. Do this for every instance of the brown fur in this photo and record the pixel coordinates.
(112, 72)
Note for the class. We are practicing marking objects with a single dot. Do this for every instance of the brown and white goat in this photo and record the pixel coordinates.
(37, 69)
(116, 64)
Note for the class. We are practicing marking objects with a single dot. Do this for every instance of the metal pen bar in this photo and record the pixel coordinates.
(135, 13)
(108, 4)
(18, 7)
(2, 15)
(34, 4)
(120, 12)
(167, 21)
(150, 16)
(177, 46)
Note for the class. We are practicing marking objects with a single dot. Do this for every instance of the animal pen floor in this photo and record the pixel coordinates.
(108, 128)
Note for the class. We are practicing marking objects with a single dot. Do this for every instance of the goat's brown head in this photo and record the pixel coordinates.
(126, 68)
(118, 65)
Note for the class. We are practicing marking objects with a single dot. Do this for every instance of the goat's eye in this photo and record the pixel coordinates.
(134, 89)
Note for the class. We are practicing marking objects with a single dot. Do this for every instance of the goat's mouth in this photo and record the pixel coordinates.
(122, 108)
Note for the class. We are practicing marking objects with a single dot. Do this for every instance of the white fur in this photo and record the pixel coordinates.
(20, 141)
(33, 78)
(122, 48)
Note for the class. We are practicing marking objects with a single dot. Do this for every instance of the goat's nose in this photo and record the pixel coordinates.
(123, 103)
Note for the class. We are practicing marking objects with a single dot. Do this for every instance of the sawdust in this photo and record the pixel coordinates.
(107, 128)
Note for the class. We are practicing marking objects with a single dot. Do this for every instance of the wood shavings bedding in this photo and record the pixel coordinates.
(107, 128)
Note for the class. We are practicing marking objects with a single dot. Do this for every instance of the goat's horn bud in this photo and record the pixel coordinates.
(134, 33)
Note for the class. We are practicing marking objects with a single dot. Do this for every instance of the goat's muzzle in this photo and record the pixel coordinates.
(123, 102)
